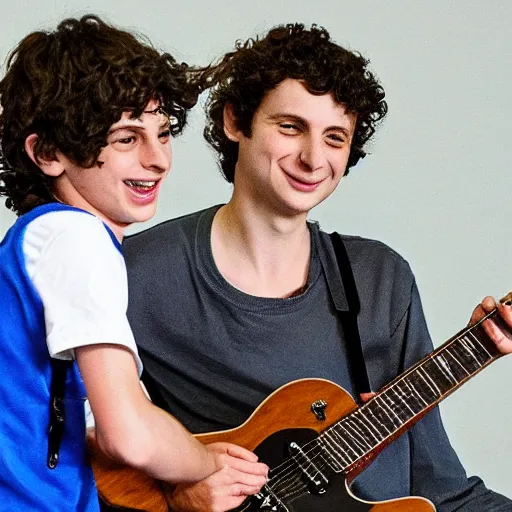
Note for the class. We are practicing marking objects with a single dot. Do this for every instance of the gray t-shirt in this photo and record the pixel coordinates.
(212, 353)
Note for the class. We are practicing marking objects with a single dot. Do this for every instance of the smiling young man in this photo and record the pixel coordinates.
(87, 114)
(261, 301)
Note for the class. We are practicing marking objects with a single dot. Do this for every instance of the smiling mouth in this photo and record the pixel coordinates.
(312, 184)
(143, 185)
(306, 183)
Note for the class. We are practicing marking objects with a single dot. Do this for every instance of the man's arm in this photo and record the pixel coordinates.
(436, 472)
(129, 428)
(81, 280)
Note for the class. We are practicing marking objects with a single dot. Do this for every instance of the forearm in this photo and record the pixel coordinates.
(173, 454)
(129, 428)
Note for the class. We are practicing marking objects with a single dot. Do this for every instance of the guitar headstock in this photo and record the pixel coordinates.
(507, 300)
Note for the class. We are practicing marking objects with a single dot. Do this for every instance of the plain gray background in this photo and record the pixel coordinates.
(437, 184)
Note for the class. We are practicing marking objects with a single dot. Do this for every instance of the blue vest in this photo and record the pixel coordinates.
(26, 482)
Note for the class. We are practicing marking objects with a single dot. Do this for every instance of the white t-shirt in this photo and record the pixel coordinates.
(81, 279)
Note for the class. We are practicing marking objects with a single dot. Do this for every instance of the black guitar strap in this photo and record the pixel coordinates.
(357, 365)
(57, 410)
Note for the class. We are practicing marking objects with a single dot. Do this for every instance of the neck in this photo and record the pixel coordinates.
(258, 253)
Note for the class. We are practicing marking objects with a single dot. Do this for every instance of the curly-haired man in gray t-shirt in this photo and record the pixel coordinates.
(247, 297)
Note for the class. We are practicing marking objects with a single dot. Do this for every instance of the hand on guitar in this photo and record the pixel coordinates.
(501, 336)
(238, 475)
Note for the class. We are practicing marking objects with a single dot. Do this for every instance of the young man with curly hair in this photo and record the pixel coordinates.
(261, 301)
(87, 115)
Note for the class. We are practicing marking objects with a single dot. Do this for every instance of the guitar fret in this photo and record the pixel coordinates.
(358, 444)
(469, 347)
(386, 406)
(422, 387)
(368, 423)
(460, 365)
(466, 358)
(319, 454)
(355, 453)
(396, 406)
(408, 397)
(481, 356)
(478, 349)
(435, 389)
(342, 454)
(402, 401)
(438, 376)
(369, 409)
(479, 342)
(445, 368)
(357, 429)
(336, 465)
(380, 411)
(459, 372)
(413, 390)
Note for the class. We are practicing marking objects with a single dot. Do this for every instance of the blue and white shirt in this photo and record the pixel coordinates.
(62, 286)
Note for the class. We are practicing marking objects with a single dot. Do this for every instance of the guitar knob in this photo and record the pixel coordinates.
(318, 409)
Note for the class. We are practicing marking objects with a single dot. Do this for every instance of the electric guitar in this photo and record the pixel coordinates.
(325, 440)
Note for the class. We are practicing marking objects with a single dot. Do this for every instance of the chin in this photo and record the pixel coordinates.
(143, 215)
(301, 208)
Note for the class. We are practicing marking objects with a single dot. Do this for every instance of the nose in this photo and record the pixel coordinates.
(156, 156)
(312, 154)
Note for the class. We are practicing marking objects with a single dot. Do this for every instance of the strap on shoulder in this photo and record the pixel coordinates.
(357, 366)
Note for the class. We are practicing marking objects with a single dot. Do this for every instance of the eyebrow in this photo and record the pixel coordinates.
(304, 122)
(126, 124)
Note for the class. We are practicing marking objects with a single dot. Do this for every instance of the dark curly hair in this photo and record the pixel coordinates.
(69, 86)
(243, 77)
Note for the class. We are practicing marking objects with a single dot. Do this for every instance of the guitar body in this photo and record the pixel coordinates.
(285, 416)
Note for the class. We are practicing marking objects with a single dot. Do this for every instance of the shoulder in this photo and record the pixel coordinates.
(166, 240)
(65, 236)
(368, 254)
(74, 229)
(72, 223)
(383, 277)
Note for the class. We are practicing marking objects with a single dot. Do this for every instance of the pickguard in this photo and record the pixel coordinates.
(274, 450)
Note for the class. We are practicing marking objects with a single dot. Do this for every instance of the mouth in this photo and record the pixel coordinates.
(304, 186)
(143, 186)
(143, 192)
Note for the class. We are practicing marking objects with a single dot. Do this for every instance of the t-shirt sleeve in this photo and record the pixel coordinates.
(80, 276)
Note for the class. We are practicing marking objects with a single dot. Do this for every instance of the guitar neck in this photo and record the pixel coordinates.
(358, 437)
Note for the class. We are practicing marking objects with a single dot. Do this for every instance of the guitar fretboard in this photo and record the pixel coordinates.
(363, 433)
(409, 397)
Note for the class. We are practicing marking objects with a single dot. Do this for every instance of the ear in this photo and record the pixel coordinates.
(230, 126)
(52, 168)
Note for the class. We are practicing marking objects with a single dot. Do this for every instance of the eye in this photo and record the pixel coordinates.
(335, 140)
(123, 138)
(126, 140)
(289, 128)
(164, 136)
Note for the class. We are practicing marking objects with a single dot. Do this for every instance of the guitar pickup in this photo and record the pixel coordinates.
(317, 481)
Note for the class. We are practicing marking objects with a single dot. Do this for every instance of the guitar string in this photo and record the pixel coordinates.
(284, 472)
